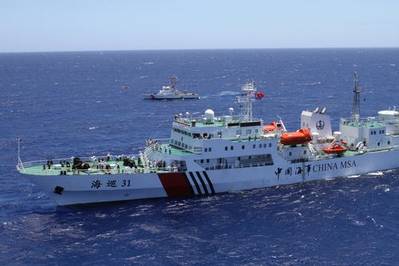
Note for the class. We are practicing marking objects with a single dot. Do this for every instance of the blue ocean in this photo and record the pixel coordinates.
(85, 103)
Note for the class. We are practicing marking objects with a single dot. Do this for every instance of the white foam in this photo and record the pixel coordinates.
(378, 173)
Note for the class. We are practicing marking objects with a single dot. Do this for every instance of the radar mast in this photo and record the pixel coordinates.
(245, 100)
(356, 98)
(173, 81)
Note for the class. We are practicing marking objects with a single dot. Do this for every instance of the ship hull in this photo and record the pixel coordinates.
(72, 190)
(171, 97)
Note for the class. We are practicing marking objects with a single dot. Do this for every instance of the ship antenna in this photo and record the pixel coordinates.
(20, 165)
(245, 100)
(356, 98)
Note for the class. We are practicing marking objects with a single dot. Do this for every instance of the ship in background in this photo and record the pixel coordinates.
(212, 154)
(170, 92)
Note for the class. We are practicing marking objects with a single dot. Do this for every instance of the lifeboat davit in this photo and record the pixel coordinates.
(272, 127)
(335, 149)
(301, 136)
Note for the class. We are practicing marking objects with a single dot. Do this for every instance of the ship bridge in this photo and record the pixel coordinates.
(190, 133)
(193, 133)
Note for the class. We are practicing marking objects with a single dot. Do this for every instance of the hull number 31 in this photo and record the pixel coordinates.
(110, 183)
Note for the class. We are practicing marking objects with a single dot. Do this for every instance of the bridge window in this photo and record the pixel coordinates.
(270, 145)
(231, 147)
(206, 149)
(243, 147)
(254, 146)
(226, 148)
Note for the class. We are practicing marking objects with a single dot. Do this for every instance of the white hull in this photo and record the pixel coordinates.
(171, 97)
(107, 188)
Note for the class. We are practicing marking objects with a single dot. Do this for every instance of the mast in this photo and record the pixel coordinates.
(173, 81)
(356, 98)
(245, 100)
(20, 164)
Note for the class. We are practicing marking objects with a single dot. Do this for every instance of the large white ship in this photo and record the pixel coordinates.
(214, 154)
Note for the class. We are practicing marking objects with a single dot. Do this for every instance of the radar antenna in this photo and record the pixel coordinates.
(356, 98)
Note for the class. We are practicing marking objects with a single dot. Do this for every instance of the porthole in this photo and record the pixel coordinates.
(226, 148)
(243, 147)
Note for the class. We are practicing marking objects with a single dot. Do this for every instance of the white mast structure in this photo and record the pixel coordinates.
(245, 100)
(356, 98)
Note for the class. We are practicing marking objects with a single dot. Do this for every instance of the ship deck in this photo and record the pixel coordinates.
(114, 167)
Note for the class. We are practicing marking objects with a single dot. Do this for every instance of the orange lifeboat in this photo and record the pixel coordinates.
(335, 149)
(272, 127)
(301, 136)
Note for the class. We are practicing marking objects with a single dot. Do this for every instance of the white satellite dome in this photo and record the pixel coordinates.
(388, 114)
(209, 114)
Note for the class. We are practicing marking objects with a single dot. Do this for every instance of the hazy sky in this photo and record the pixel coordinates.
(71, 25)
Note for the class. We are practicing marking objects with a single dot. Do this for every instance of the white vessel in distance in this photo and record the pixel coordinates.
(169, 92)
(215, 154)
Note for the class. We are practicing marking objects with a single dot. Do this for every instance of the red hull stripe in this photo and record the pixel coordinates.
(176, 184)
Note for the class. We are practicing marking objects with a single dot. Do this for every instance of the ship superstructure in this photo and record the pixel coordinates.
(211, 154)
